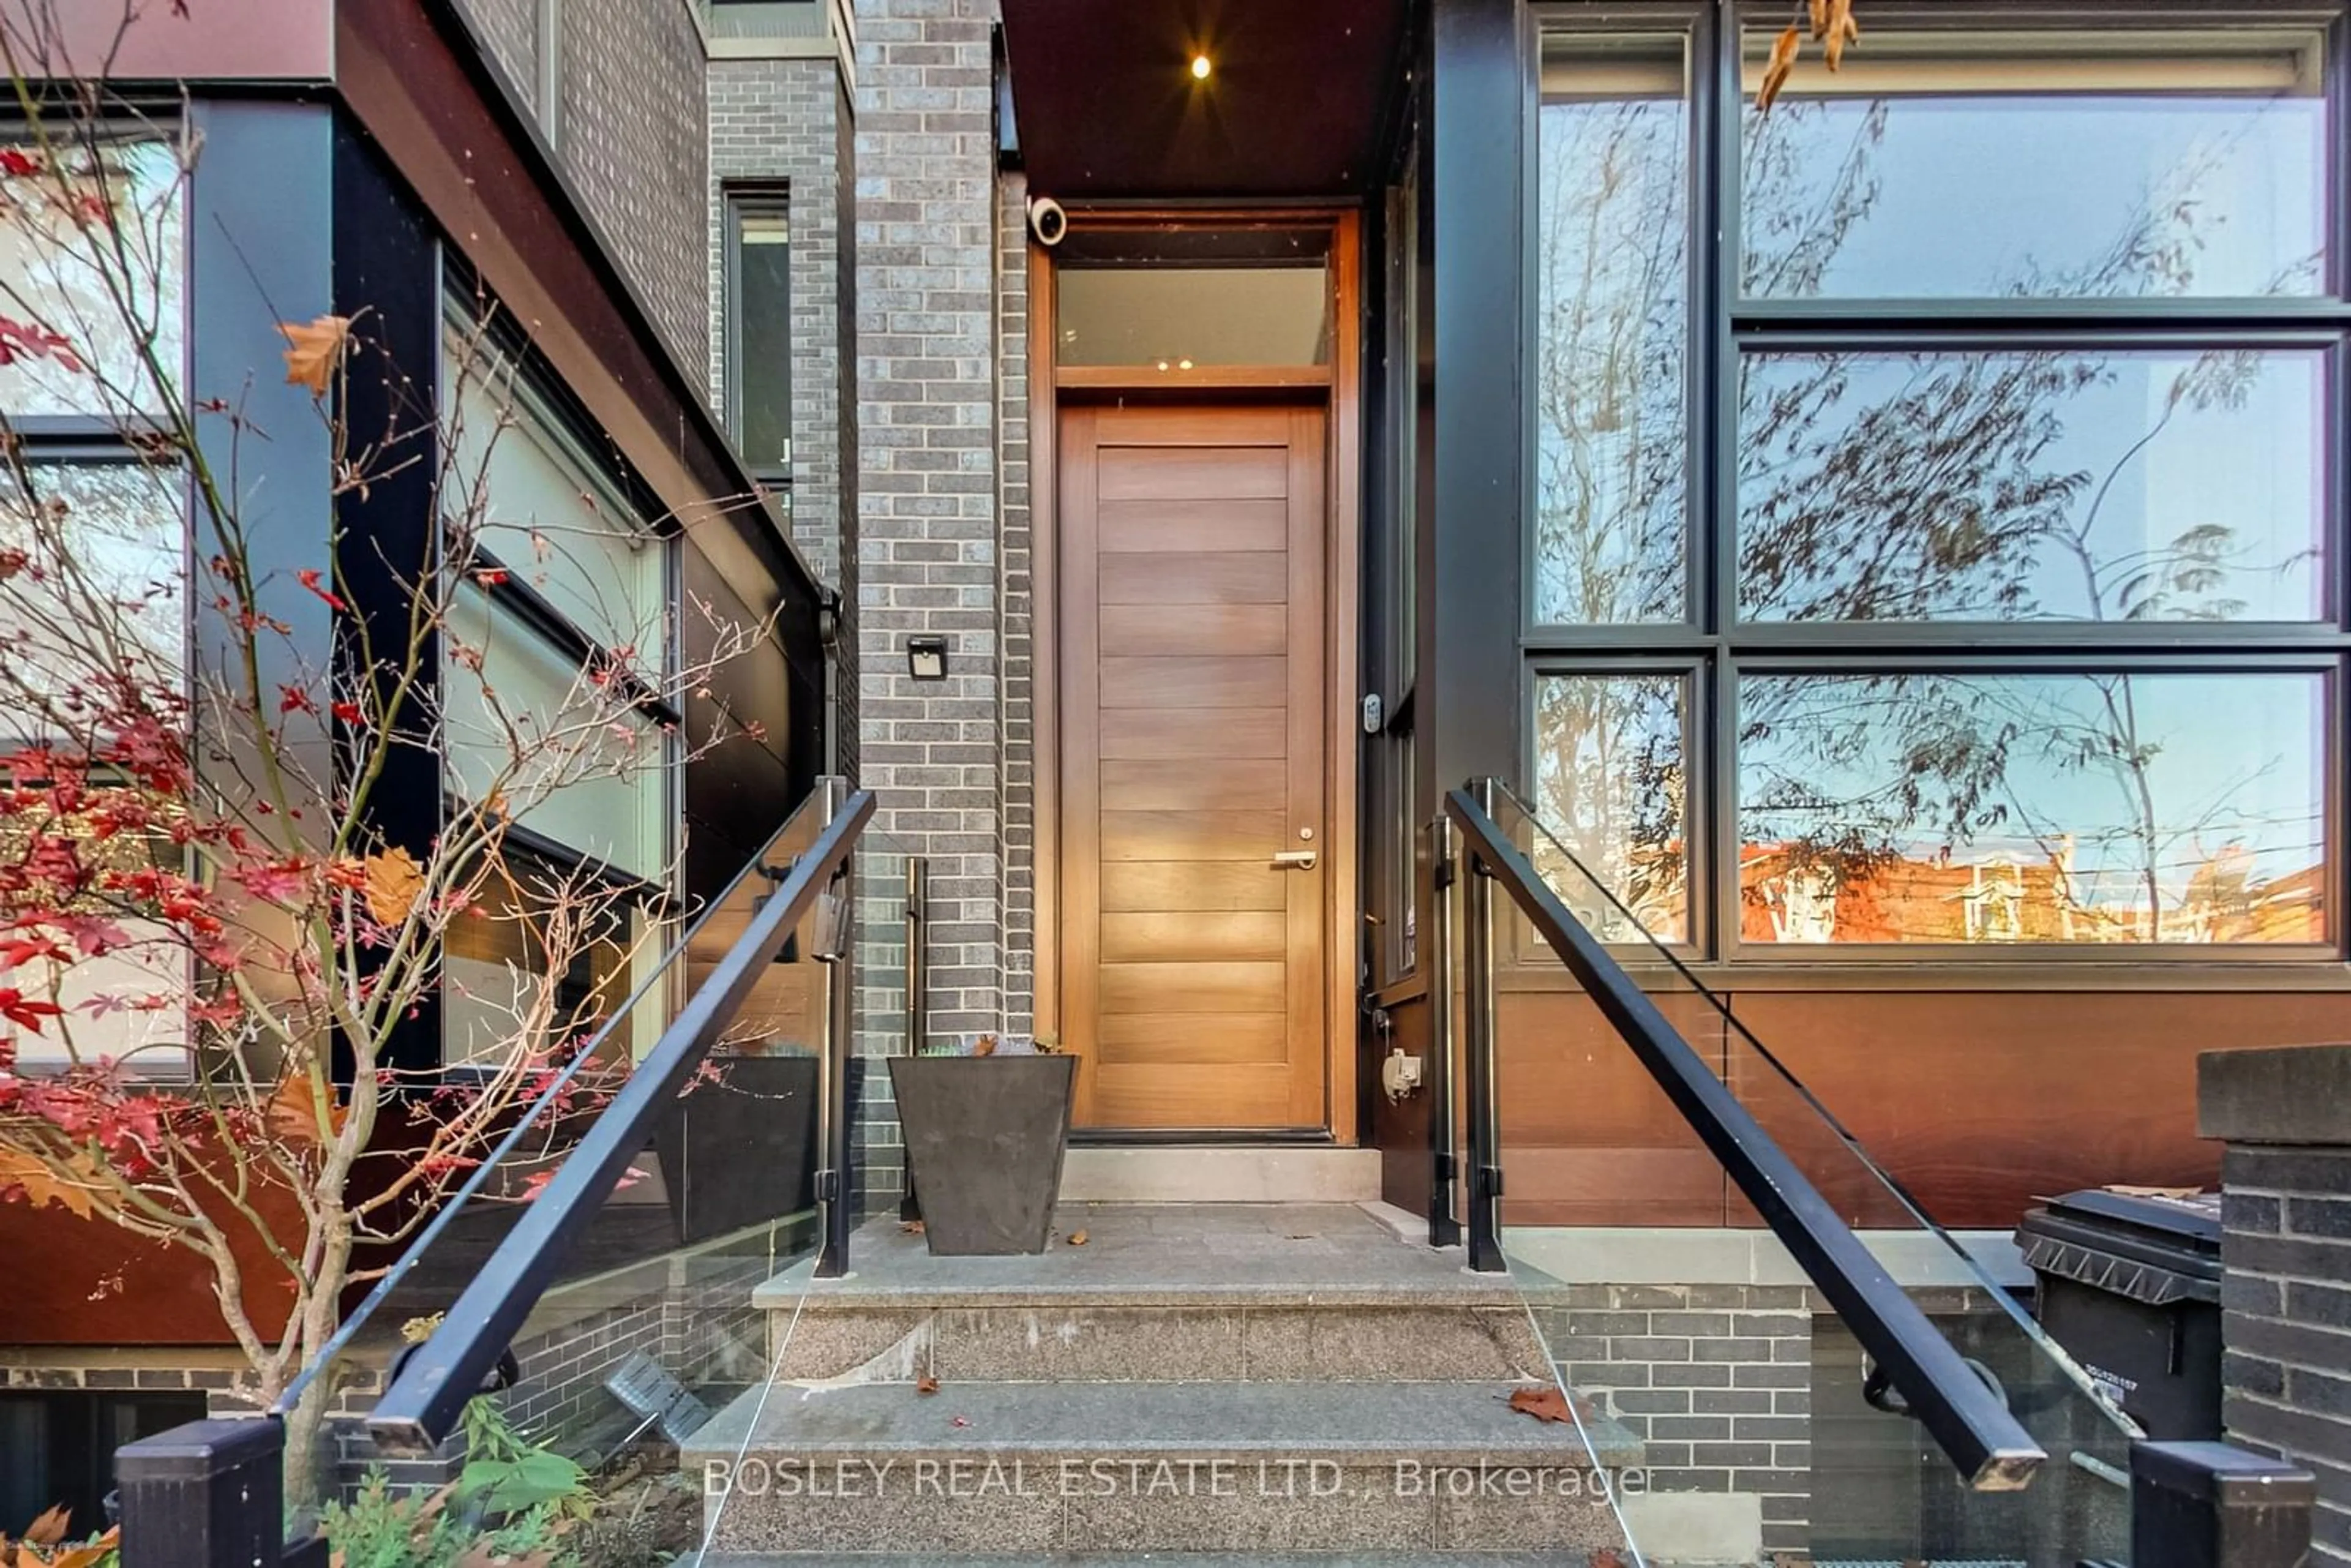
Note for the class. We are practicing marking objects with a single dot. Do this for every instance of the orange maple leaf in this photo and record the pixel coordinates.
(316, 350)
(394, 883)
(1775, 71)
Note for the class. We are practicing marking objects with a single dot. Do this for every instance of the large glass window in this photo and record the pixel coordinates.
(1981, 806)
(1612, 332)
(1944, 550)
(124, 321)
(559, 653)
(558, 644)
(2056, 485)
(1972, 162)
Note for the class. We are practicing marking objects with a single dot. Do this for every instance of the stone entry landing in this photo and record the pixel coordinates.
(1172, 1253)
(1193, 1378)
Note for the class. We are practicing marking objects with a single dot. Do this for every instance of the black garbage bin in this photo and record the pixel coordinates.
(2131, 1285)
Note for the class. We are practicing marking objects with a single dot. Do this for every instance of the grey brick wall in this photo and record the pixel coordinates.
(2286, 1319)
(928, 477)
(510, 28)
(781, 121)
(633, 144)
(1715, 1379)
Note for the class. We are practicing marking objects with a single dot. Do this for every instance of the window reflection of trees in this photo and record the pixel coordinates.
(2010, 486)
(2124, 807)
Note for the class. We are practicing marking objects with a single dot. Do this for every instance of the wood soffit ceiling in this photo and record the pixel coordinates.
(1298, 104)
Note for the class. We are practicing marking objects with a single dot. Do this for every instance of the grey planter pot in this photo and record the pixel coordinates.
(985, 1136)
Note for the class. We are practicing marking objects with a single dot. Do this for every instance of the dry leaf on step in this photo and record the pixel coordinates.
(1077, 1238)
(1775, 72)
(1544, 1403)
(926, 1386)
(911, 1227)
(105, 1549)
(50, 1529)
(1605, 1557)
(986, 1046)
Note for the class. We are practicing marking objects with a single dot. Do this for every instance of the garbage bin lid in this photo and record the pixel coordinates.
(2152, 1248)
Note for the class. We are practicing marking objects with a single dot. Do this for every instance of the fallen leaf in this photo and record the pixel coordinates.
(316, 349)
(1544, 1403)
(44, 1186)
(1775, 72)
(911, 1227)
(960, 1421)
(926, 1386)
(395, 883)
(51, 1527)
(1077, 1238)
(1605, 1557)
(986, 1046)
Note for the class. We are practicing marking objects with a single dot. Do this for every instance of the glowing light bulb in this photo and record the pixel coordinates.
(1201, 68)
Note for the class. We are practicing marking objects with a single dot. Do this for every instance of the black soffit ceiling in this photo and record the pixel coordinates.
(1296, 105)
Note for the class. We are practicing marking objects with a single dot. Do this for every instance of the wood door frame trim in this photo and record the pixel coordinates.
(1342, 675)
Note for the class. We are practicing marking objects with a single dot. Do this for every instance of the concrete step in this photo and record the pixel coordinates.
(1278, 1339)
(1033, 1469)
(1296, 1293)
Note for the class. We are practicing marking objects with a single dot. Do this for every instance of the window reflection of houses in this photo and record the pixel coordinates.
(1792, 893)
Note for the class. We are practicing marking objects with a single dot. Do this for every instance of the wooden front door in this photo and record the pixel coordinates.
(1193, 849)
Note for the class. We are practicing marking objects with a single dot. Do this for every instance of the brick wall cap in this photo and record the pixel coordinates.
(2295, 1094)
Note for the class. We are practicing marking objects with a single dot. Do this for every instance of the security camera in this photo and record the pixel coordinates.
(1046, 221)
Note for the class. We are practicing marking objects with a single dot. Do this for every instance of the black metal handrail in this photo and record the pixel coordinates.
(431, 1385)
(1989, 1447)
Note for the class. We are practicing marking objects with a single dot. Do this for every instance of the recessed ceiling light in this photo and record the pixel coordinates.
(1201, 67)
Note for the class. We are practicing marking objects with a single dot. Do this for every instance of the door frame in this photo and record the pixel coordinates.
(1342, 392)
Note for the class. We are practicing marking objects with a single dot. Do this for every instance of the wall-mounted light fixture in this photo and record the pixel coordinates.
(1201, 67)
(927, 658)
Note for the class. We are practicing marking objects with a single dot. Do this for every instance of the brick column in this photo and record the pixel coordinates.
(926, 248)
(2285, 1249)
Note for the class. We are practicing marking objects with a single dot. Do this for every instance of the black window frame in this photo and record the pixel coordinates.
(739, 199)
(1724, 325)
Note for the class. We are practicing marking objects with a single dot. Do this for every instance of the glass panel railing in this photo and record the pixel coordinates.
(1675, 1313)
(640, 1317)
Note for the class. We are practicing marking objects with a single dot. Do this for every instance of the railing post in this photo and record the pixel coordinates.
(1485, 1151)
(1444, 1158)
(210, 1494)
(910, 1206)
(2211, 1505)
(833, 1184)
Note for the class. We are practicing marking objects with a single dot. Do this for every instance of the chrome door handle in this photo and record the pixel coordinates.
(1294, 860)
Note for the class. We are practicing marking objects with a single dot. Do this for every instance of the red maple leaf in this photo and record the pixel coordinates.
(311, 578)
(24, 1012)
